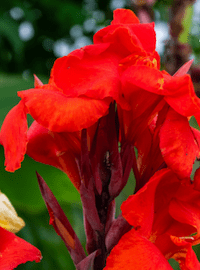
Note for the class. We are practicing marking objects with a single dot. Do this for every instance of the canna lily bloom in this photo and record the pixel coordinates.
(169, 139)
(13, 250)
(165, 219)
(81, 87)
(172, 103)
(66, 118)
(83, 84)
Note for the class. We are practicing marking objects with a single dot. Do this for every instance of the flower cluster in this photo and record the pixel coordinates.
(109, 109)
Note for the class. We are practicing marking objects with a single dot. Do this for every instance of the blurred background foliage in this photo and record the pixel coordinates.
(33, 34)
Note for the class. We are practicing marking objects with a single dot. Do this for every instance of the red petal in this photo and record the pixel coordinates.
(177, 144)
(54, 149)
(146, 34)
(152, 81)
(184, 69)
(126, 41)
(41, 146)
(14, 251)
(191, 261)
(135, 38)
(165, 191)
(58, 113)
(135, 252)
(94, 74)
(185, 256)
(180, 95)
(186, 203)
(138, 209)
(124, 16)
(37, 81)
(186, 212)
(14, 137)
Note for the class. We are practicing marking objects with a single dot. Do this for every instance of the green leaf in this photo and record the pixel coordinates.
(9, 30)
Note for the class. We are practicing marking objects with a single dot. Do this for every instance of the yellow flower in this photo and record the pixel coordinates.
(9, 219)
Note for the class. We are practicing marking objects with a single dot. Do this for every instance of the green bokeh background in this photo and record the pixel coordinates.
(52, 21)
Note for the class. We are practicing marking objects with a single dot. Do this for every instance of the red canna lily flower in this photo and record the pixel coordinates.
(165, 219)
(15, 141)
(81, 87)
(168, 140)
(149, 101)
(83, 84)
(108, 92)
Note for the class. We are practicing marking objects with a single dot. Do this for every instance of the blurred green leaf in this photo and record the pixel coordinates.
(9, 30)
(187, 23)
(194, 42)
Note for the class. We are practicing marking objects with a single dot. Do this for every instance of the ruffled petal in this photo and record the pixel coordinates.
(125, 30)
(185, 206)
(59, 113)
(149, 79)
(53, 149)
(14, 137)
(146, 34)
(186, 212)
(138, 209)
(124, 16)
(185, 256)
(180, 95)
(93, 74)
(177, 144)
(135, 252)
(41, 145)
(120, 35)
